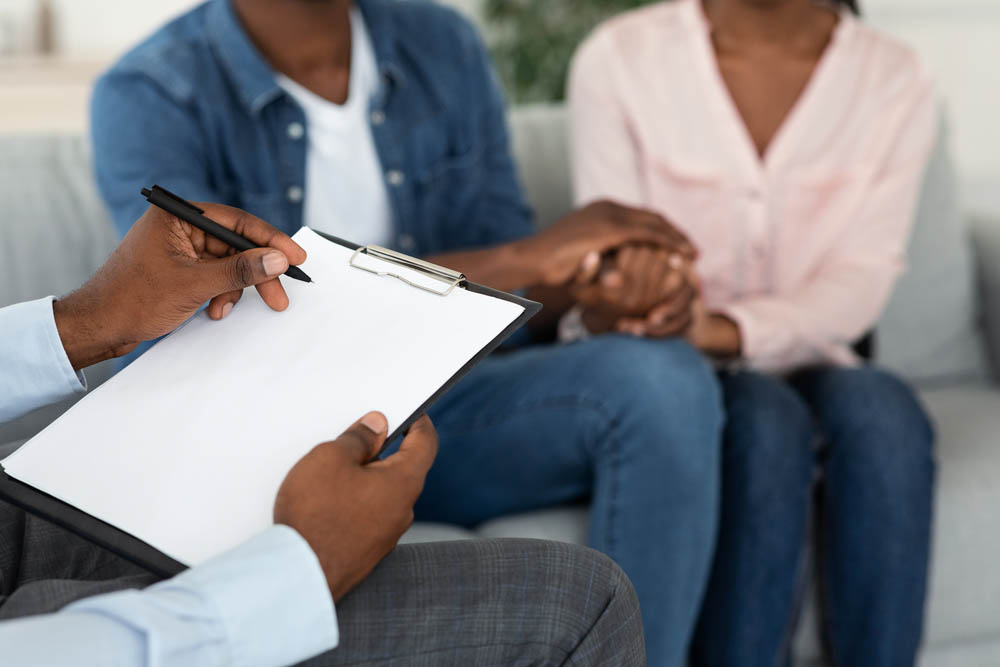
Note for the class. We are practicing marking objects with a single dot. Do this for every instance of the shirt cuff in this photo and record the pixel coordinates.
(272, 597)
(37, 371)
(267, 602)
(772, 346)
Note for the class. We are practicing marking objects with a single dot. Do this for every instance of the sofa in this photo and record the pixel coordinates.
(941, 331)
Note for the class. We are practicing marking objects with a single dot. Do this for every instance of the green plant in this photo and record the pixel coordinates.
(533, 41)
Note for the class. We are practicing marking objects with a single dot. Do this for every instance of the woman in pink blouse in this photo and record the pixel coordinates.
(788, 141)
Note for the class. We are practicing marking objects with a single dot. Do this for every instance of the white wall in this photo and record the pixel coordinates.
(97, 28)
(102, 28)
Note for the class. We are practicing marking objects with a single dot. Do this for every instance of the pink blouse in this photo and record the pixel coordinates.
(801, 249)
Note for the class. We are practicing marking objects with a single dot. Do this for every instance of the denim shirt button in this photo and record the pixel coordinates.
(395, 177)
(296, 131)
(294, 194)
(406, 242)
(377, 117)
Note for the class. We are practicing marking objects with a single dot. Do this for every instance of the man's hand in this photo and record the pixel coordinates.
(162, 273)
(351, 512)
(560, 250)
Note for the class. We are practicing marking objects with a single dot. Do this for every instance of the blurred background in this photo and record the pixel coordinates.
(51, 50)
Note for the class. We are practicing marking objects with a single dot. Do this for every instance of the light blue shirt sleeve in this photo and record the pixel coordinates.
(263, 604)
(34, 368)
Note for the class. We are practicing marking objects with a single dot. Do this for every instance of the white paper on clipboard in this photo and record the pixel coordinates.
(185, 449)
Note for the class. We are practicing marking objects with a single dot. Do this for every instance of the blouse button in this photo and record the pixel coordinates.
(294, 194)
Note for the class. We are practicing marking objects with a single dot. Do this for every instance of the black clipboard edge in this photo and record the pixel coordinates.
(88, 527)
(143, 554)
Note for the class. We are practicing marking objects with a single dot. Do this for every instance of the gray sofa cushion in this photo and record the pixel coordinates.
(930, 330)
(55, 233)
(964, 597)
(540, 143)
(55, 229)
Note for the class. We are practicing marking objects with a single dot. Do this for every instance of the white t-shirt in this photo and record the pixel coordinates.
(345, 194)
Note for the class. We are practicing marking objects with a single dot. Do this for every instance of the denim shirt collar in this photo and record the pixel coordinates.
(253, 76)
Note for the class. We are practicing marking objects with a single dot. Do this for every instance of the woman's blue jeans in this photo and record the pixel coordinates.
(631, 424)
(864, 433)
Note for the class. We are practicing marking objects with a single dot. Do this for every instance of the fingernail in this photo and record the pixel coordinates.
(375, 423)
(275, 263)
(676, 261)
(226, 309)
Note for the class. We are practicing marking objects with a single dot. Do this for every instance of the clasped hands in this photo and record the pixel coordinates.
(639, 289)
(651, 290)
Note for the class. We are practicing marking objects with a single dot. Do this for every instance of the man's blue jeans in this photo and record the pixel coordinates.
(873, 445)
(633, 425)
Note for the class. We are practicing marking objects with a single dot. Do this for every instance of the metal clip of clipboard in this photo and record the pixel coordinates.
(450, 279)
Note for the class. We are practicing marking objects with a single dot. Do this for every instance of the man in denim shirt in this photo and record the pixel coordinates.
(227, 103)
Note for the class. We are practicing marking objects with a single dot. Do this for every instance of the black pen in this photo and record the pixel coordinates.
(193, 215)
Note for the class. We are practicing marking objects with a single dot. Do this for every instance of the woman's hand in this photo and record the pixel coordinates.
(601, 227)
(714, 334)
(633, 284)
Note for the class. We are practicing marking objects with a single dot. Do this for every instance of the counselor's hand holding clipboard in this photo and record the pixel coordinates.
(374, 331)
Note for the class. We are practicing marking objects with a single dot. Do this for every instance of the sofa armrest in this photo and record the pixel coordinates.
(986, 245)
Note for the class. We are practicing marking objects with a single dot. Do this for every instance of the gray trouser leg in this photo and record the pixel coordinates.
(490, 602)
(43, 567)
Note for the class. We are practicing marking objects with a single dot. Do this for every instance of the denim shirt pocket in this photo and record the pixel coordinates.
(448, 191)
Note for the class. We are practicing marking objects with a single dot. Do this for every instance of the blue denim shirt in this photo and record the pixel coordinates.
(196, 108)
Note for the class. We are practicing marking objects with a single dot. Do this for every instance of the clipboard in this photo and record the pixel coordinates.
(143, 554)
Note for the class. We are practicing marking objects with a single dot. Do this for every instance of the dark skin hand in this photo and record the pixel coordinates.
(352, 512)
(557, 265)
(651, 293)
(714, 334)
(555, 256)
(161, 274)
